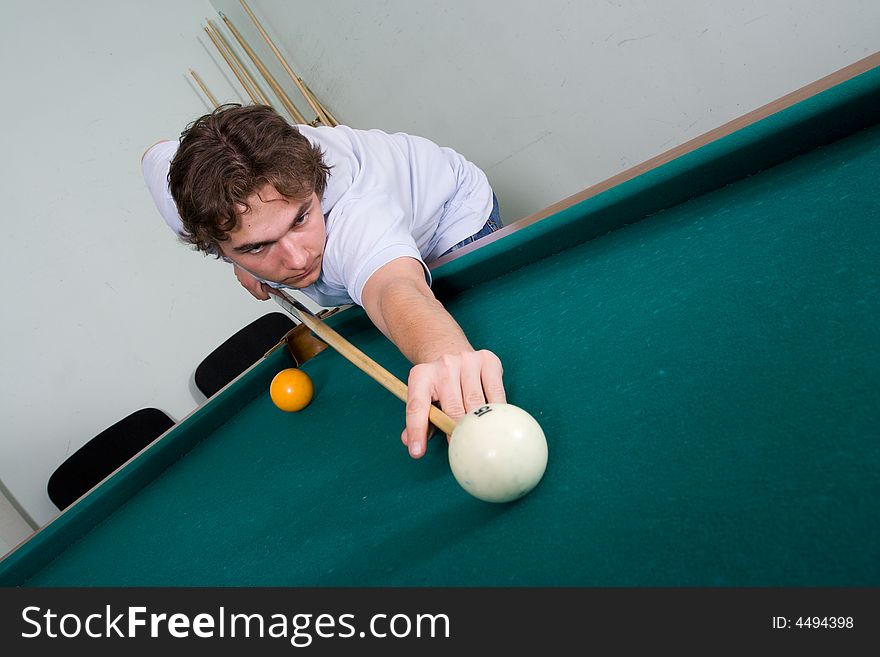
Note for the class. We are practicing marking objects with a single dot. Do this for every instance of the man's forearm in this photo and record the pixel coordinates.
(419, 324)
(446, 368)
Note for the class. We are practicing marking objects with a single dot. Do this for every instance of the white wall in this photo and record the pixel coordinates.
(550, 97)
(14, 528)
(105, 313)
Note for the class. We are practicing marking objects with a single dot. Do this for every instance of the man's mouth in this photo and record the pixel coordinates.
(304, 275)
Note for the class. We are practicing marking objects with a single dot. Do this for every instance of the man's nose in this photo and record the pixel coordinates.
(293, 256)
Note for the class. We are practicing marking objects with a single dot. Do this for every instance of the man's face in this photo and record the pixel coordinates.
(279, 239)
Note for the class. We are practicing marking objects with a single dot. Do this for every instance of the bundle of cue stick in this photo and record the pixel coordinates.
(249, 83)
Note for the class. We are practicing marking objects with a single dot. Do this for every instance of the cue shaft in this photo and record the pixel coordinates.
(231, 63)
(221, 40)
(323, 117)
(204, 88)
(363, 362)
(273, 83)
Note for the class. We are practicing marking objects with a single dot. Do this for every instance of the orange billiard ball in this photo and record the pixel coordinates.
(291, 389)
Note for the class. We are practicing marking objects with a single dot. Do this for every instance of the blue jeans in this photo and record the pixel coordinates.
(493, 223)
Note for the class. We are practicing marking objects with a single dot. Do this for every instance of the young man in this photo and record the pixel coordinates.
(345, 216)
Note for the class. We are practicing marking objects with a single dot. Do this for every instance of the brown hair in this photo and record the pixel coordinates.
(226, 156)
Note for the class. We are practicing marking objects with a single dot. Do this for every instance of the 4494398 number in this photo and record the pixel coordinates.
(824, 622)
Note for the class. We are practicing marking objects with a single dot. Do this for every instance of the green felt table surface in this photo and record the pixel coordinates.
(706, 377)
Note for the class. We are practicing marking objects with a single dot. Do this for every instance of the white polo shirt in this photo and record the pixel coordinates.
(388, 196)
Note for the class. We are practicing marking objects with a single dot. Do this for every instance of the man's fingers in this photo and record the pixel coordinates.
(471, 382)
(460, 382)
(492, 377)
(448, 385)
(431, 431)
(417, 407)
(261, 292)
(251, 283)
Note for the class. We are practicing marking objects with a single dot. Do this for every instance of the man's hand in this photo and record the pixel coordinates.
(250, 283)
(460, 382)
(447, 368)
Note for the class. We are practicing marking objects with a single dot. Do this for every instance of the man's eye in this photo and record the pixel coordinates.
(257, 249)
(301, 220)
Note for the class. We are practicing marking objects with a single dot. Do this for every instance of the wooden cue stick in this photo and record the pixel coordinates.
(283, 97)
(231, 64)
(323, 117)
(333, 121)
(263, 98)
(363, 362)
(204, 88)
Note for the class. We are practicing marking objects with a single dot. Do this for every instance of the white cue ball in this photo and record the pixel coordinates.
(498, 453)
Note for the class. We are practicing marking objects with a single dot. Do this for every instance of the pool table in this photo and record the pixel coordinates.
(698, 338)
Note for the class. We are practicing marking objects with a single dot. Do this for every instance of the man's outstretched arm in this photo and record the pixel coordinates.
(446, 367)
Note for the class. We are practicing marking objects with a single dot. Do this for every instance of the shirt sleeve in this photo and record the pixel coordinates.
(363, 235)
(154, 166)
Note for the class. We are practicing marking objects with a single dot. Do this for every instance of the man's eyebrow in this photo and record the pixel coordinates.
(300, 211)
(244, 248)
